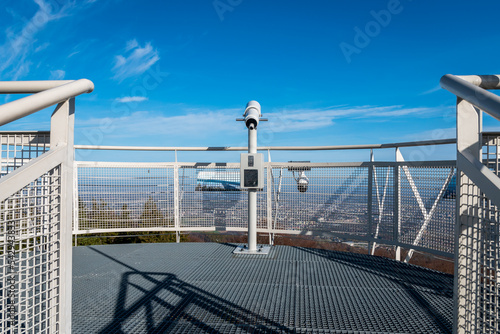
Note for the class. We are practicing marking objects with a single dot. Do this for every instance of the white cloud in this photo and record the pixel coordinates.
(57, 75)
(127, 99)
(434, 134)
(132, 44)
(491, 128)
(42, 47)
(21, 43)
(289, 120)
(14, 51)
(433, 90)
(83, 47)
(203, 123)
(21, 70)
(200, 123)
(135, 61)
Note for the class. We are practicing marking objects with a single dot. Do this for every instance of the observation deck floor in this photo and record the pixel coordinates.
(204, 288)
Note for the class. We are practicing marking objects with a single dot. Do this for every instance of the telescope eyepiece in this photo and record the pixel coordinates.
(251, 123)
(252, 115)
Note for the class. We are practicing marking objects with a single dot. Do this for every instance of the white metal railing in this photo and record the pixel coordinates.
(406, 204)
(36, 210)
(271, 148)
(477, 255)
(18, 148)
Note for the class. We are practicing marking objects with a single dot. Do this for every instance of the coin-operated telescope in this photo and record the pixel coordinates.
(252, 176)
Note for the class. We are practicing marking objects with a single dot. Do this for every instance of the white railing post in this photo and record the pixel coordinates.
(61, 135)
(177, 218)
(467, 241)
(371, 244)
(397, 203)
(76, 208)
(269, 205)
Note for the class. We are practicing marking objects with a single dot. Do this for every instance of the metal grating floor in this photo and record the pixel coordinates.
(204, 288)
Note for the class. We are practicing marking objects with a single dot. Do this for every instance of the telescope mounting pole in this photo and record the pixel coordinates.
(252, 177)
(252, 196)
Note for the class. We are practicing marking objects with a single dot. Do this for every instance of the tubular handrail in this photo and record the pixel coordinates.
(28, 105)
(483, 81)
(475, 95)
(271, 148)
(29, 87)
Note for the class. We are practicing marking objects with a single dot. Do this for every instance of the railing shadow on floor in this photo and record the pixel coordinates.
(165, 303)
(400, 273)
(177, 313)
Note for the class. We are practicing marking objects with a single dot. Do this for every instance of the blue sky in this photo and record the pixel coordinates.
(178, 72)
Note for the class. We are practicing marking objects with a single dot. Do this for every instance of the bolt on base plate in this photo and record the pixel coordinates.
(261, 249)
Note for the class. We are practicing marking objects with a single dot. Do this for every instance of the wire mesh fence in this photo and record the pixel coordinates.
(491, 151)
(384, 194)
(478, 261)
(427, 209)
(210, 196)
(335, 199)
(17, 148)
(410, 204)
(124, 196)
(29, 262)
(478, 257)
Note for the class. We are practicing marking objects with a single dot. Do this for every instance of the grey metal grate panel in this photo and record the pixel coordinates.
(185, 288)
